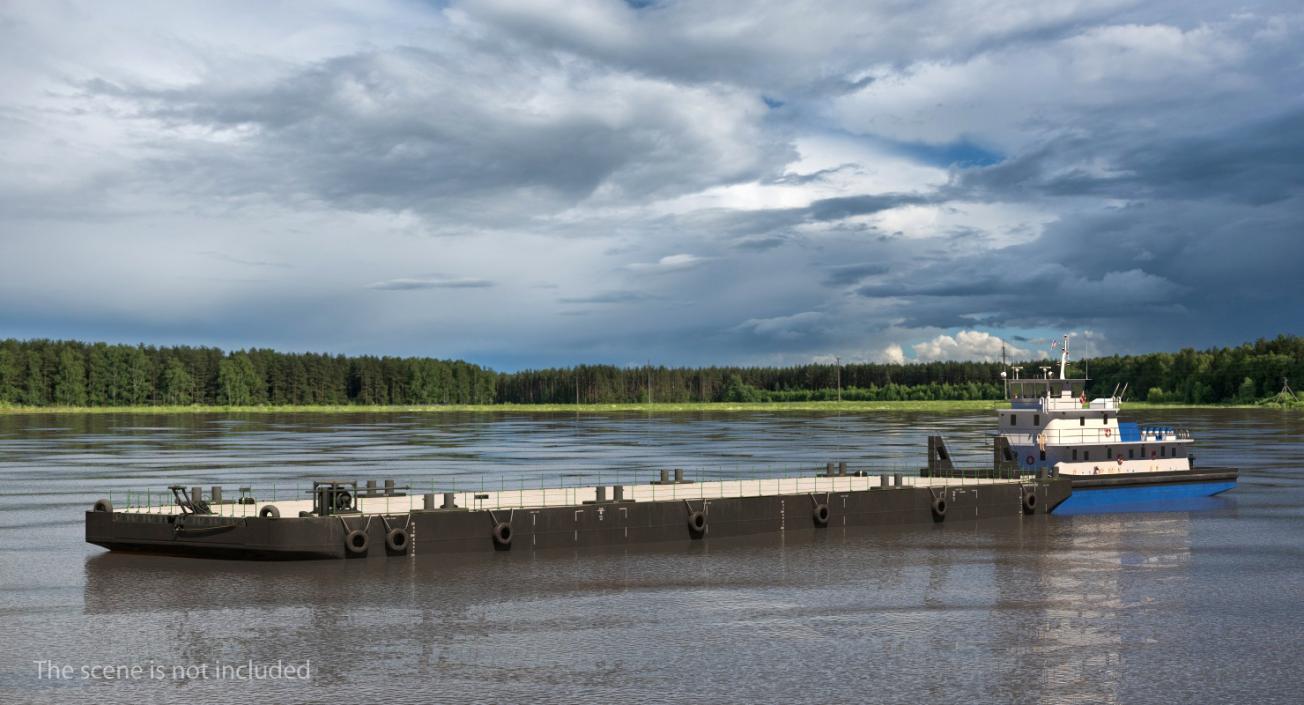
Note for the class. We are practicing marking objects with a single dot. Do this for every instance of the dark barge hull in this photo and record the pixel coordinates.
(602, 524)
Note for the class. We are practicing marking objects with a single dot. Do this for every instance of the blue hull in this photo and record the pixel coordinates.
(1179, 496)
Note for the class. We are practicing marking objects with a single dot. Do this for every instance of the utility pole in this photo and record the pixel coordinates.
(649, 382)
(838, 360)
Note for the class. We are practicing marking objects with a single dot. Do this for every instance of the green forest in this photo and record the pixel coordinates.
(37, 373)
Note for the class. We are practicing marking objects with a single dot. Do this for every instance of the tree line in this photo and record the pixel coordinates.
(72, 373)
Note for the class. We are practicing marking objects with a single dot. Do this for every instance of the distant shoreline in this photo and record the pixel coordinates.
(659, 408)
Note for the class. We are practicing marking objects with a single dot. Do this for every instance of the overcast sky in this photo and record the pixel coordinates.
(542, 183)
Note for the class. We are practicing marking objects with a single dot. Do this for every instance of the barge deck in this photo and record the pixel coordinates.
(338, 521)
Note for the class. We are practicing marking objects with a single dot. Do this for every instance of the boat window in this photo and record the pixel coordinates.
(1014, 419)
(1075, 453)
(1082, 421)
(1043, 455)
(1106, 419)
(1109, 452)
(1036, 419)
(1086, 455)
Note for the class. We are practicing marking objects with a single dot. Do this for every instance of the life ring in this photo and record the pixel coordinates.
(1030, 501)
(696, 523)
(1030, 460)
(269, 512)
(1108, 432)
(1119, 459)
(503, 535)
(356, 542)
(939, 508)
(103, 505)
(396, 540)
(820, 515)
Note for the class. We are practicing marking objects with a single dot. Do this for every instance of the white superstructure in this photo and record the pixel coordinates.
(1051, 424)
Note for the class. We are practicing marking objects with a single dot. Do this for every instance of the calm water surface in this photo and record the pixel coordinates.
(1197, 603)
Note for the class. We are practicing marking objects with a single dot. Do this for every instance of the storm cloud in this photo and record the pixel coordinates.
(691, 183)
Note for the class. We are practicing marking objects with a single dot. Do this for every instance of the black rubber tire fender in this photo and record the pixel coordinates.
(939, 508)
(356, 542)
(503, 534)
(1030, 501)
(269, 511)
(396, 540)
(697, 522)
(103, 505)
(820, 515)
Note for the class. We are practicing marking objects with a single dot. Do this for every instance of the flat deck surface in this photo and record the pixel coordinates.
(525, 498)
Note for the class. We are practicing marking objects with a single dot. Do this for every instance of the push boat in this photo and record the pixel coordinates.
(1051, 429)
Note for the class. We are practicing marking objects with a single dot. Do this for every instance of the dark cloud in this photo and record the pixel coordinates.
(411, 128)
(845, 274)
(1259, 163)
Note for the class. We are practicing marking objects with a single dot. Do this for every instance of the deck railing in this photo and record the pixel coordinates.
(569, 489)
(1098, 436)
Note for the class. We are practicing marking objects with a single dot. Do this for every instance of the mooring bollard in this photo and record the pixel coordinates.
(618, 493)
(600, 493)
(828, 470)
(842, 469)
(449, 501)
(217, 494)
(428, 501)
(389, 488)
(897, 480)
(371, 487)
(665, 477)
(679, 475)
(883, 481)
(196, 494)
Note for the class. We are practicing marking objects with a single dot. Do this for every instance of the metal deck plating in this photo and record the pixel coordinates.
(574, 517)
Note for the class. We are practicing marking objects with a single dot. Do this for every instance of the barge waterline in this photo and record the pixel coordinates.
(392, 524)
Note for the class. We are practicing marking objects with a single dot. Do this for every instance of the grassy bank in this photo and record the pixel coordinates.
(771, 407)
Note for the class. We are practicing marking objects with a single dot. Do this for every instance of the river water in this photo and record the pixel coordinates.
(1198, 602)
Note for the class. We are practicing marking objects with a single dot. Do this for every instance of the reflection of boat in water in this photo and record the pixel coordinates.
(1052, 429)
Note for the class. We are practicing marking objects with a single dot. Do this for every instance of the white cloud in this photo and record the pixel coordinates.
(893, 354)
(669, 263)
(1015, 95)
(965, 345)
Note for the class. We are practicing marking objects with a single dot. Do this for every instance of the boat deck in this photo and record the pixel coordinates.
(526, 498)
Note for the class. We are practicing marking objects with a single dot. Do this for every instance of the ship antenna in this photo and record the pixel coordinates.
(1005, 377)
(1064, 357)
